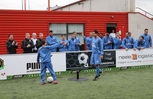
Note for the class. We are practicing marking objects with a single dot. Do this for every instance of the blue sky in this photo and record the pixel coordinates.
(42, 4)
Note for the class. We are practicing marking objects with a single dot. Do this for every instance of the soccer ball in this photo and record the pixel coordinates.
(50, 79)
(83, 59)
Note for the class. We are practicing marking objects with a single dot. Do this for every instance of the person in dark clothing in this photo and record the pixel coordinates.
(39, 41)
(11, 45)
(27, 44)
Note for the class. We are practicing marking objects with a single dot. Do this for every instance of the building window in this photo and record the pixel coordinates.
(67, 29)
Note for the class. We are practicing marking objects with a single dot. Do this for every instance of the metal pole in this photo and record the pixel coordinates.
(48, 5)
(24, 4)
(29, 4)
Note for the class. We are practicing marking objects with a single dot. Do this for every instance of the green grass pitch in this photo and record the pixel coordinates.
(119, 84)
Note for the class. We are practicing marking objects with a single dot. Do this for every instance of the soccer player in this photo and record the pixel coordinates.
(63, 47)
(117, 41)
(140, 44)
(44, 53)
(97, 54)
(39, 41)
(108, 40)
(88, 41)
(147, 38)
(78, 44)
(128, 42)
(51, 39)
(11, 45)
(72, 43)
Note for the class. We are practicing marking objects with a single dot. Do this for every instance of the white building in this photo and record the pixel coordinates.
(100, 5)
(137, 22)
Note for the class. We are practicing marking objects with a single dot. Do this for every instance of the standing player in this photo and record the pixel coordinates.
(72, 43)
(44, 53)
(63, 47)
(51, 39)
(78, 44)
(97, 54)
(108, 41)
(128, 42)
(147, 38)
(88, 41)
(117, 41)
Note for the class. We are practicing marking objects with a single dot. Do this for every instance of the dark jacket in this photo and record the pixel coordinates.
(11, 49)
(24, 44)
(39, 43)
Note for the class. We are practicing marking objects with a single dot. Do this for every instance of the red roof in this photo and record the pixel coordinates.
(68, 5)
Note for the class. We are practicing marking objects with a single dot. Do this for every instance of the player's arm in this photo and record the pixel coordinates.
(56, 40)
(115, 41)
(88, 42)
(67, 45)
(38, 56)
(104, 42)
(150, 41)
(100, 43)
(133, 42)
(123, 44)
(54, 45)
(136, 45)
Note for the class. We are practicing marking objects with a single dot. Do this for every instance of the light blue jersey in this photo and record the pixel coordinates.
(50, 41)
(88, 42)
(148, 40)
(128, 42)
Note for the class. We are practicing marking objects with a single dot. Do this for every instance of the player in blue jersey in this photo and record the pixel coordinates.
(63, 47)
(128, 42)
(147, 38)
(51, 39)
(44, 57)
(117, 41)
(78, 44)
(108, 41)
(140, 44)
(88, 41)
(97, 53)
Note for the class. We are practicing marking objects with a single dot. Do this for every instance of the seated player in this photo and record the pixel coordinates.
(117, 41)
(140, 44)
(44, 53)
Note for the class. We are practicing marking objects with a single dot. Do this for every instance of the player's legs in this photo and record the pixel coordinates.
(43, 72)
(92, 59)
(50, 68)
(97, 61)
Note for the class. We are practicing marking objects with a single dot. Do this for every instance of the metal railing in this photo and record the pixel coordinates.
(145, 12)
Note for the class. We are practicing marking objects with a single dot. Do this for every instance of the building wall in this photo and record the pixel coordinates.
(137, 23)
(103, 6)
(20, 22)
